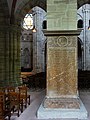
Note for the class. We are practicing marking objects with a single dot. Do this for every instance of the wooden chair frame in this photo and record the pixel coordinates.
(4, 109)
(23, 95)
(15, 102)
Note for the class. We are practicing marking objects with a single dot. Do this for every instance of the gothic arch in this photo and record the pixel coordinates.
(80, 55)
(26, 6)
(79, 39)
(80, 23)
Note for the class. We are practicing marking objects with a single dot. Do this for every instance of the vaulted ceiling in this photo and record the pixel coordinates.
(18, 8)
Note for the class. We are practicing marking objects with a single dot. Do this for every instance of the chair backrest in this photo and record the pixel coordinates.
(1, 111)
(14, 97)
(23, 90)
(4, 111)
(2, 103)
(1, 108)
(2, 97)
(10, 89)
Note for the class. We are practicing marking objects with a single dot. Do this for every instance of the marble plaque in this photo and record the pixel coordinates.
(62, 68)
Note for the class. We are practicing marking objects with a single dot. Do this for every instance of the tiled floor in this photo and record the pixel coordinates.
(36, 99)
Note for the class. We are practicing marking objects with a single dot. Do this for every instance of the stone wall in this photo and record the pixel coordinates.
(61, 14)
(27, 50)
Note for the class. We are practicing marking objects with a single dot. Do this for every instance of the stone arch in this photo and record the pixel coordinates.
(80, 23)
(44, 24)
(82, 2)
(80, 55)
(26, 6)
(80, 40)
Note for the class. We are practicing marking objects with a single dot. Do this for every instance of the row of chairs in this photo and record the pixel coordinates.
(4, 107)
(13, 99)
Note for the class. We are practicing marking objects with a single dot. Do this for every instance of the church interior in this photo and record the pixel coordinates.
(44, 59)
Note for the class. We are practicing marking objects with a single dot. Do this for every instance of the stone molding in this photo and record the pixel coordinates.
(68, 103)
(62, 32)
(61, 41)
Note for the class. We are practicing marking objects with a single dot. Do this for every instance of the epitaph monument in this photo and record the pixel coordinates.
(62, 99)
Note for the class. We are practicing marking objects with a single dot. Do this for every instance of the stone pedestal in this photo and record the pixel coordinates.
(58, 113)
(62, 92)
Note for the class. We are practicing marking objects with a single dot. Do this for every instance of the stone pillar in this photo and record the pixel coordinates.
(62, 14)
(10, 56)
(62, 99)
(86, 41)
(62, 71)
(38, 41)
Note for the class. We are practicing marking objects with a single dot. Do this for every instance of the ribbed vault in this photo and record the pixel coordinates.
(27, 5)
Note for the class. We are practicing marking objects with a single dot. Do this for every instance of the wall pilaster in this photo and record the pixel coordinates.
(38, 41)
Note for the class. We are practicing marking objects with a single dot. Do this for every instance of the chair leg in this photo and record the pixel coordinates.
(18, 112)
(26, 103)
(13, 109)
(29, 100)
(18, 109)
(22, 107)
(9, 117)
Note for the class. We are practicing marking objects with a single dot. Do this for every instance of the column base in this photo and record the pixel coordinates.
(62, 103)
(50, 113)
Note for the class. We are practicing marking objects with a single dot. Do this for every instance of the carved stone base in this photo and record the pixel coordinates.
(59, 113)
(69, 103)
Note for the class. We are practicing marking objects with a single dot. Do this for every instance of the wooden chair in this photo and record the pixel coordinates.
(10, 89)
(23, 95)
(16, 104)
(4, 107)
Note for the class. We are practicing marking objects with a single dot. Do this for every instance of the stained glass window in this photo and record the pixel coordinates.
(28, 21)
